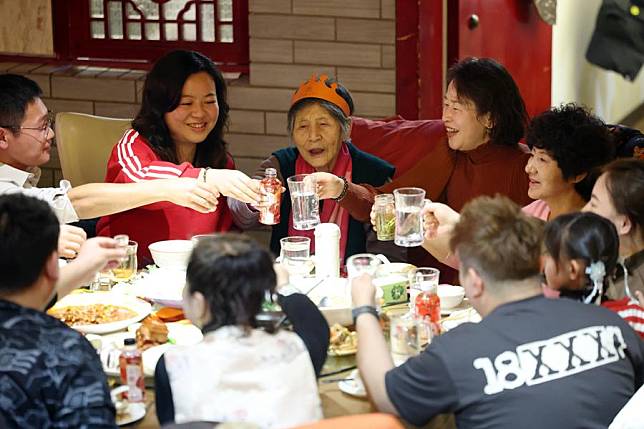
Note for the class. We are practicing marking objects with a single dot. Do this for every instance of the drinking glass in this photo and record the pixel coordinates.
(295, 255)
(362, 263)
(127, 268)
(305, 205)
(404, 336)
(409, 224)
(385, 216)
(417, 279)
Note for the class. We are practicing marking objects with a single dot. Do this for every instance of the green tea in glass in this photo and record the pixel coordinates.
(385, 217)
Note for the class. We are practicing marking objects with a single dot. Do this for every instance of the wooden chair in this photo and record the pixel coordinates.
(84, 145)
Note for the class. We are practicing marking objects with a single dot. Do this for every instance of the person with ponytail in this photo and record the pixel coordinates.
(581, 259)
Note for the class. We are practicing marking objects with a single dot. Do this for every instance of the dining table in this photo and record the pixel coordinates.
(334, 401)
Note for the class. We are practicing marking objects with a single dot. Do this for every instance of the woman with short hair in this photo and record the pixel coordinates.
(239, 372)
(319, 125)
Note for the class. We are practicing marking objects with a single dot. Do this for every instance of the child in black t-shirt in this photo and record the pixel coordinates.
(581, 257)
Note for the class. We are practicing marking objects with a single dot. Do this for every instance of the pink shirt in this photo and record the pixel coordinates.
(539, 209)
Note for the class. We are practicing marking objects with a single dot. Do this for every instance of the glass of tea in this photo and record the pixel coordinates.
(127, 267)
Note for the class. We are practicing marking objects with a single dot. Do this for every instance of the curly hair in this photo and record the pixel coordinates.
(233, 273)
(488, 85)
(586, 236)
(577, 140)
(162, 94)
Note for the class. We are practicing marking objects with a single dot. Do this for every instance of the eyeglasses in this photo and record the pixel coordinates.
(44, 129)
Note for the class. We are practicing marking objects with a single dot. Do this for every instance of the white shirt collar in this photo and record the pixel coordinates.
(23, 179)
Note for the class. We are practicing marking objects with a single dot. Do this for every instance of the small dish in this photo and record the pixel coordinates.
(353, 385)
(126, 412)
(133, 413)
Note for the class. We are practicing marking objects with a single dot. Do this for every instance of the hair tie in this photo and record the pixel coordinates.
(596, 271)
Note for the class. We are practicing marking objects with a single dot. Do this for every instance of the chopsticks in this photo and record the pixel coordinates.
(335, 380)
(340, 371)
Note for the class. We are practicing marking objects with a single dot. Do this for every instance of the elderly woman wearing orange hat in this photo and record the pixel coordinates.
(319, 125)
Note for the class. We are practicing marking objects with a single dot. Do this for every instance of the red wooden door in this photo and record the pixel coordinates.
(509, 31)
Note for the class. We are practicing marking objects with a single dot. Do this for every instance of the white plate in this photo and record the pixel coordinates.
(135, 412)
(353, 387)
(181, 333)
(163, 286)
(140, 307)
(460, 317)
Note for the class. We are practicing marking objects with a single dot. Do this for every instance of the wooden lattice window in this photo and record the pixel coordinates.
(143, 30)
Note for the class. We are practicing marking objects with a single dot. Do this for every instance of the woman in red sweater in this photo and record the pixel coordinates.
(484, 117)
(177, 133)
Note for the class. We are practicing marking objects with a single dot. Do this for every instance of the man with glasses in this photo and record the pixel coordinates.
(25, 144)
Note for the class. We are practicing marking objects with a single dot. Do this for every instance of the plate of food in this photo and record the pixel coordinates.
(153, 338)
(126, 412)
(99, 312)
(352, 385)
(342, 342)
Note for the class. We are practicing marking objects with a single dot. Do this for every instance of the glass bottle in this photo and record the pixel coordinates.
(131, 366)
(271, 190)
(385, 217)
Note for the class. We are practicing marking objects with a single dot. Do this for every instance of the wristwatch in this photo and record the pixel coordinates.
(370, 309)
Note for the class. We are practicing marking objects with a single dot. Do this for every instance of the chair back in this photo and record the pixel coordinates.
(85, 143)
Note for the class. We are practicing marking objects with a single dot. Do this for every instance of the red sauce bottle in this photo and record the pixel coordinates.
(271, 189)
(131, 365)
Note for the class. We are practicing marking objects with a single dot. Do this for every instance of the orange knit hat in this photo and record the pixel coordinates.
(317, 88)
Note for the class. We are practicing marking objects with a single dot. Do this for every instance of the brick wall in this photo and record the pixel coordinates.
(289, 40)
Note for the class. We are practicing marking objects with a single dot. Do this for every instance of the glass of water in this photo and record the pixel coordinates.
(305, 205)
(409, 224)
(362, 263)
(296, 255)
(405, 337)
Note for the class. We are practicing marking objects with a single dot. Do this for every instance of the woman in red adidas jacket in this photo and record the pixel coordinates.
(177, 133)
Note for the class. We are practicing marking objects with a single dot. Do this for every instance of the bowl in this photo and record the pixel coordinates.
(451, 296)
(171, 253)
